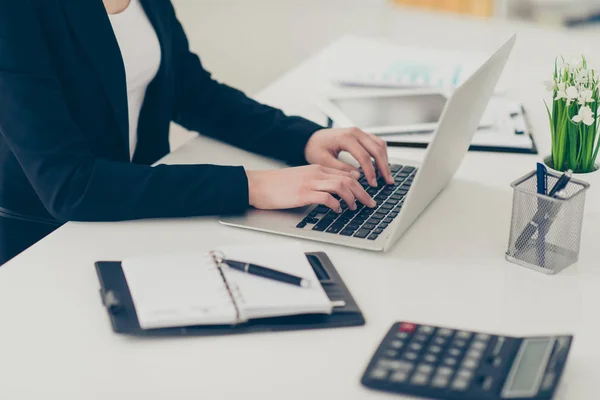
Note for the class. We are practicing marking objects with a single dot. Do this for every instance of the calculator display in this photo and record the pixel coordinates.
(531, 362)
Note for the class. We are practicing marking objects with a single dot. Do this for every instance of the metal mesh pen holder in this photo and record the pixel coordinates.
(545, 232)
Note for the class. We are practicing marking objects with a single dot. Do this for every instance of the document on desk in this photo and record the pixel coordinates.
(372, 62)
(178, 290)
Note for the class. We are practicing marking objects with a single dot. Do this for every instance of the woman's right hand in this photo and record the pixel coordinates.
(302, 186)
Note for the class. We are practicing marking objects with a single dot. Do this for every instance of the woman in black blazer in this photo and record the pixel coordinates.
(64, 148)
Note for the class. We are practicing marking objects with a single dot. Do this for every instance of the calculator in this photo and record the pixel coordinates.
(443, 363)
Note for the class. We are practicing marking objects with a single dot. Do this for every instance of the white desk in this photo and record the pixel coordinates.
(55, 337)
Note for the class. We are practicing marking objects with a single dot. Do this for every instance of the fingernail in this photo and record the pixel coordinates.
(353, 206)
(373, 182)
(373, 203)
(355, 174)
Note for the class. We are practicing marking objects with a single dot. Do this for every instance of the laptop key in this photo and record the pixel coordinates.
(322, 225)
(321, 210)
(392, 201)
(378, 231)
(395, 167)
(388, 220)
(386, 206)
(376, 218)
(408, 169)
(368, 226)
(347, 232)
(353, 225)
(362, 233)
(360, 219)
(383, 225)
(310, 220)
(335, 228)
(373, 236)
(301, 225)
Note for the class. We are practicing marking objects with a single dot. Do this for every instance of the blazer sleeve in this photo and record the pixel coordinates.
(70, 180)
(217, 110)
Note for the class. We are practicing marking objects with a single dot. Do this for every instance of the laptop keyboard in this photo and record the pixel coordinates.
(364, 222)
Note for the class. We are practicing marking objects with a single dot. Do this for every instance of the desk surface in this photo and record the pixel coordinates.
(449, 269)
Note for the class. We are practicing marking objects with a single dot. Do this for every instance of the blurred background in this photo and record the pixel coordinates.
(237, 39)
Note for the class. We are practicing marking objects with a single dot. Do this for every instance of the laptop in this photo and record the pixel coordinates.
(415, 187)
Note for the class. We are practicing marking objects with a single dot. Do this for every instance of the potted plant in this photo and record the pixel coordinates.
(574, 117)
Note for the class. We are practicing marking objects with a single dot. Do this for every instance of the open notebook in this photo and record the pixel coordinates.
(192, 289)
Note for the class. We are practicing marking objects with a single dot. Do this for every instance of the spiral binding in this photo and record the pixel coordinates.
(233, 290)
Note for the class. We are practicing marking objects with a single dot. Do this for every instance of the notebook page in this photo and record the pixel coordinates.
(260, 297)
(178, 290)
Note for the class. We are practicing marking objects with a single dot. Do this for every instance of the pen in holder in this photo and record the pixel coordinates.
(545, 231)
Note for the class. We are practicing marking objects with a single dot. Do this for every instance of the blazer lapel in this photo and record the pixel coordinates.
(90, 23)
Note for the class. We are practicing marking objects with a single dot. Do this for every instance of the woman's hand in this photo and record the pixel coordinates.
(302, 186)
(324, 147)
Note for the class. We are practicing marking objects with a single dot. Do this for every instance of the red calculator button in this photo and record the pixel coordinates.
(407, 327)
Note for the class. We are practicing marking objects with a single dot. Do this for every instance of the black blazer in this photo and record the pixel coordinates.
(64, 123)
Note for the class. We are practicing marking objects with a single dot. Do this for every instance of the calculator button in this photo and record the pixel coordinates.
(415, 346)
(473, 353)
(407, 327)
(421, 338)
(439, 382)
(445, 371)
(460, 384)
(430, 358)
(389, 364)
(487, 383)
(402, 335)
(391, 353)
(464, 374)
(454, 352)
(426, 329)
(435, 349)
(482, 336)
(419, 379)
(463, 335)
(410, 356)
(379, 374)
(396, 344)
(445, 332)
(425, 369)
(439, 341)
(399, 376)
(469, 363)
(450, 361)
(479, 345)
(459, 343)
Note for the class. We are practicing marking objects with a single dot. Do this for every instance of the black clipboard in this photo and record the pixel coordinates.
(116, 297)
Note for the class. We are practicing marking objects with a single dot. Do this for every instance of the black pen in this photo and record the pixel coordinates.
(268, 273)
(542, 215)
(562, 183)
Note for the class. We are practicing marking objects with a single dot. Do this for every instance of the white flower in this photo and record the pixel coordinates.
(585, 115)
(569, 93)
(586, 96)
(551, 85)
(582, 77)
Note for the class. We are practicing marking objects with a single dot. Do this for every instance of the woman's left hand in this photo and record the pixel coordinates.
(324, 147)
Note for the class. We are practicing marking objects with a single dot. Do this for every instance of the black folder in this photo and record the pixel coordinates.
(116, 297)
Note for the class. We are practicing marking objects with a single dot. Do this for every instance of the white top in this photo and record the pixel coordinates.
(141, 55)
